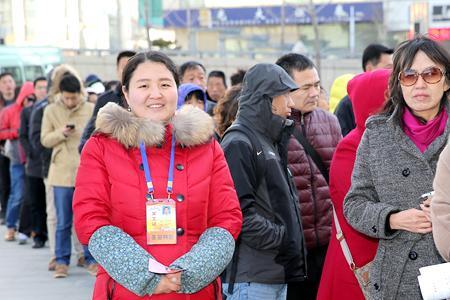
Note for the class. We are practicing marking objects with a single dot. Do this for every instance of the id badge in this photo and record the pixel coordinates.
(161, 222)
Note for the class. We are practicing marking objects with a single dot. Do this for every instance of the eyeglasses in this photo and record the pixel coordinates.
(430, 75)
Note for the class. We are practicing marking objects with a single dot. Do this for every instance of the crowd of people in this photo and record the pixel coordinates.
(169, 183)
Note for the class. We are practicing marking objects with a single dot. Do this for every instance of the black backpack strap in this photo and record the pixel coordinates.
(260, 161)
(312, 153)
(258, 153)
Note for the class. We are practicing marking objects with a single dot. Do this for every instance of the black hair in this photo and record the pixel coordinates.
(373, 53)
(40, 78)
(237, 77)
(126, 53)
(141, 57)
(218, 74)
(111, 85)
(403, 58)
(4, 74)
(295, 62)
(70, 84)
(197, 93)
(189, 65)
(226, 109)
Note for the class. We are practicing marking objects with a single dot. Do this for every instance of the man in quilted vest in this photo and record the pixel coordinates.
(321, 130)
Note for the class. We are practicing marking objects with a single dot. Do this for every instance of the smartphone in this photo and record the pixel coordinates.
(71, 126)
(425, 196)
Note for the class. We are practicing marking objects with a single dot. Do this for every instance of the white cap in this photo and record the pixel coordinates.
(96, 88)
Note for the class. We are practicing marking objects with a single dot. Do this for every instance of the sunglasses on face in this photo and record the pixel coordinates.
(430, 75)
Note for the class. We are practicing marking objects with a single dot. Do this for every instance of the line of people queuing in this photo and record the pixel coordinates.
(38, 160)
(185, 186)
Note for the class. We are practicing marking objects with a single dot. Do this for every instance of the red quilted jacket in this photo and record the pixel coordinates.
(110, 190)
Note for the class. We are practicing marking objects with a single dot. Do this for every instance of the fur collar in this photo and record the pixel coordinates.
(191, 125)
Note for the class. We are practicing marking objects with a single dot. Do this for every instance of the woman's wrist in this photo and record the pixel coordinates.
(393, 221)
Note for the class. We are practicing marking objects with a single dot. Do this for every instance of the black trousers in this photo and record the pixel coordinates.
(25, 225)
(307, 290)
(5, 184)
(38, 207)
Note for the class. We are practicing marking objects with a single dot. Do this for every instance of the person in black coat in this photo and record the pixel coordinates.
(270, 252)
(115, 96)
(35, 196)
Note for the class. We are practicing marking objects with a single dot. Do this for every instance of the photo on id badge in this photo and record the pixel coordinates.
(166, 211)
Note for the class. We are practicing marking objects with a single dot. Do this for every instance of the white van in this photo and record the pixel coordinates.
(28, 63)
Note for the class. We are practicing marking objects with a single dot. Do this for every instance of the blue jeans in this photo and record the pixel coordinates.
(64, 215)
(256, 291)
(17, 174)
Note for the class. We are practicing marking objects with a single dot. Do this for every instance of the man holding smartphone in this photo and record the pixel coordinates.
(62, 126)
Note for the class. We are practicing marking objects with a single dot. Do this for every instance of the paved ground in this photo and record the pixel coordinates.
(24, 275)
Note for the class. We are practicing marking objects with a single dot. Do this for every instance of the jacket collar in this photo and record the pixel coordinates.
(190, 125)
(60, 102)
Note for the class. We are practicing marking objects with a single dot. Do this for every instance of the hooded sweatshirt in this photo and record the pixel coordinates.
(271, 248)
(367, 93)
(185, 89)
(10, 125)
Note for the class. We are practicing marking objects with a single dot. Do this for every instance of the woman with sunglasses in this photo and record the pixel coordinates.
(395, 165)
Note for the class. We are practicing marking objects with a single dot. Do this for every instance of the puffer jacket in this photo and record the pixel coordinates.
(111, 191)
(322, 131)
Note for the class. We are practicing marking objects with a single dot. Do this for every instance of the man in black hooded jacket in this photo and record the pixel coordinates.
(270, 251)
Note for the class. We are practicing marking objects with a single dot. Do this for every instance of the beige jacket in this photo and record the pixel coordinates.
(65, 157)
(440, 205)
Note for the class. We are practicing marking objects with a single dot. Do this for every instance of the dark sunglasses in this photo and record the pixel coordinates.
(430, 75)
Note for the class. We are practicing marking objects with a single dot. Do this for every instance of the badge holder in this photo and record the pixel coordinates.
(161, 222)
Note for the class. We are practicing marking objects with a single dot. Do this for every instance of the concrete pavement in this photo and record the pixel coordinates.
(24, 275)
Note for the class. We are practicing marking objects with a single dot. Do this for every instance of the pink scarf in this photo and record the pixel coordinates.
(424, 134)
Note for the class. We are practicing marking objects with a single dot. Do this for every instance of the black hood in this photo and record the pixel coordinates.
(261, 84)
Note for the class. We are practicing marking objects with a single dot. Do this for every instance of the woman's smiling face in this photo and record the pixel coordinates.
(152, 92)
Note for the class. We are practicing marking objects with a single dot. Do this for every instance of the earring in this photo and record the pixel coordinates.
(129, 109)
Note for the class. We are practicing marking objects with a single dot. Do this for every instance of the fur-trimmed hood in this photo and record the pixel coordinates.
(191, 126)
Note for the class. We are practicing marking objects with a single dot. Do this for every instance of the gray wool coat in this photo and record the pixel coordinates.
(390, 175)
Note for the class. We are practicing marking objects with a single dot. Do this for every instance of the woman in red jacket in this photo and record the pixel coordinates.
(367, 92)
(9, 131)
(154, 198)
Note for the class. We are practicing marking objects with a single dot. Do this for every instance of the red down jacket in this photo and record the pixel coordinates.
(110, 190)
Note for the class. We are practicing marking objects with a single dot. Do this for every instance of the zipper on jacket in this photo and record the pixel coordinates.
(293, 193)
(313, 193)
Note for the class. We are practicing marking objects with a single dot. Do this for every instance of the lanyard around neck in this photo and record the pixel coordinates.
(148, 177)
